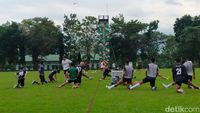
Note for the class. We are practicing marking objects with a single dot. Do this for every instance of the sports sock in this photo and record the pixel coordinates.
(134, 86)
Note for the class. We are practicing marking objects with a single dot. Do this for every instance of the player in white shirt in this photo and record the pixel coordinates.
(190, 70)
(66, 65)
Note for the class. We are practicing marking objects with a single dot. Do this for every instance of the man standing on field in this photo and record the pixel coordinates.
(66, 65)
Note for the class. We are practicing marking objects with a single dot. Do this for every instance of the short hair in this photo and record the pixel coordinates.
(178, 59)
(127, 61)
(153, 59)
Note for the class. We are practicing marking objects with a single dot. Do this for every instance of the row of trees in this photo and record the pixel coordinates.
(128, 40)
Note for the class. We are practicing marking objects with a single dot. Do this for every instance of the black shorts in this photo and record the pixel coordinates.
(78, 79)
(180, 81)
(128, 80)
(21, 81)
(42, 79)
(190, 78)
(70, 81)
(150, 79)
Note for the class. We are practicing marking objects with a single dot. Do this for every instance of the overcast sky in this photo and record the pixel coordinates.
(166, 11)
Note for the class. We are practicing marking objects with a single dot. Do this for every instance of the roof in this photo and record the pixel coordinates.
(51, 58)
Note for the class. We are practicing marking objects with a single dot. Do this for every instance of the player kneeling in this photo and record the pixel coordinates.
(152, 72)
(21, 77)
(127, 76)
(52, 75)
(180, 76)
(72, 73)
(81, 72)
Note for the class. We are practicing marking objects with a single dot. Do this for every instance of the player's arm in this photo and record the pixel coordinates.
(193, 68)
(173, 74)
(146, 70)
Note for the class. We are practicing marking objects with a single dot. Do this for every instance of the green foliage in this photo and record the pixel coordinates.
(41, 35)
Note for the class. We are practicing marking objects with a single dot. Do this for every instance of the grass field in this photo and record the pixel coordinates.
(92, 96)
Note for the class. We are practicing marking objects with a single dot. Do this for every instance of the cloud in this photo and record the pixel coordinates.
(166, 11)
(173, 2)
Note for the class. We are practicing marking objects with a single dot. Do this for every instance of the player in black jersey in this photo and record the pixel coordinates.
(180, 76)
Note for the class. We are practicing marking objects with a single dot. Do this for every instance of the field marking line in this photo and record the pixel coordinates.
(92, 99)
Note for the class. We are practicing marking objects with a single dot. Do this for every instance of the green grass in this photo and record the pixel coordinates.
(92, 96)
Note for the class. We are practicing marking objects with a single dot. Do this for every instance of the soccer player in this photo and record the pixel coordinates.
(180, 76)
(52, 75)
(21, 77)
(190, 70)
(152, 72)
(72, 73)
(127, 76)
(106, 70)
(81, 72)
(66, 65)
(41, 74)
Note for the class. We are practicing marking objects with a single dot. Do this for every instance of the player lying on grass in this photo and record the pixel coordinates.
(72, 73)
(152, 72)
(52, 75)
(81, 72)
(21, 77)
(127, 76)
(180, 76)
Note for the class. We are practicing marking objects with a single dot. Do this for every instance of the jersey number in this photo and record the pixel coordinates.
(178, 71)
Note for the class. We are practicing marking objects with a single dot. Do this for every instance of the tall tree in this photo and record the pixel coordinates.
(71, 28)
(88, 35)
(41, 34)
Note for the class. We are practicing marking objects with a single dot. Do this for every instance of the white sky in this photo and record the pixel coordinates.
(166, 11)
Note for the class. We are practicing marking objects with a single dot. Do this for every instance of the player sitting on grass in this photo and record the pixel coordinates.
(127, 76)
(72, 73)
(81, 72)
(41, 74)
(21, 77)
(152, 72)
(52, 75)
(180, 76)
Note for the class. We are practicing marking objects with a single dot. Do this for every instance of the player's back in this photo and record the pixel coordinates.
(179, 72)
(73, 73)
(189, 67)
(128, 71)
(152, 70)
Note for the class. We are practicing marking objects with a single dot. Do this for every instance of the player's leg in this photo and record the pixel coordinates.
(192, 85)
(178, 87)
(145, 80)
(78, 80)
(22, 82)
(190, 79)
(168, 85)
(64, 83)
(115, 85)
(152, 84)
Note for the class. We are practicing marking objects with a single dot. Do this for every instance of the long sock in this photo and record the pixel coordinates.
(169, 85)
(134, 86)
